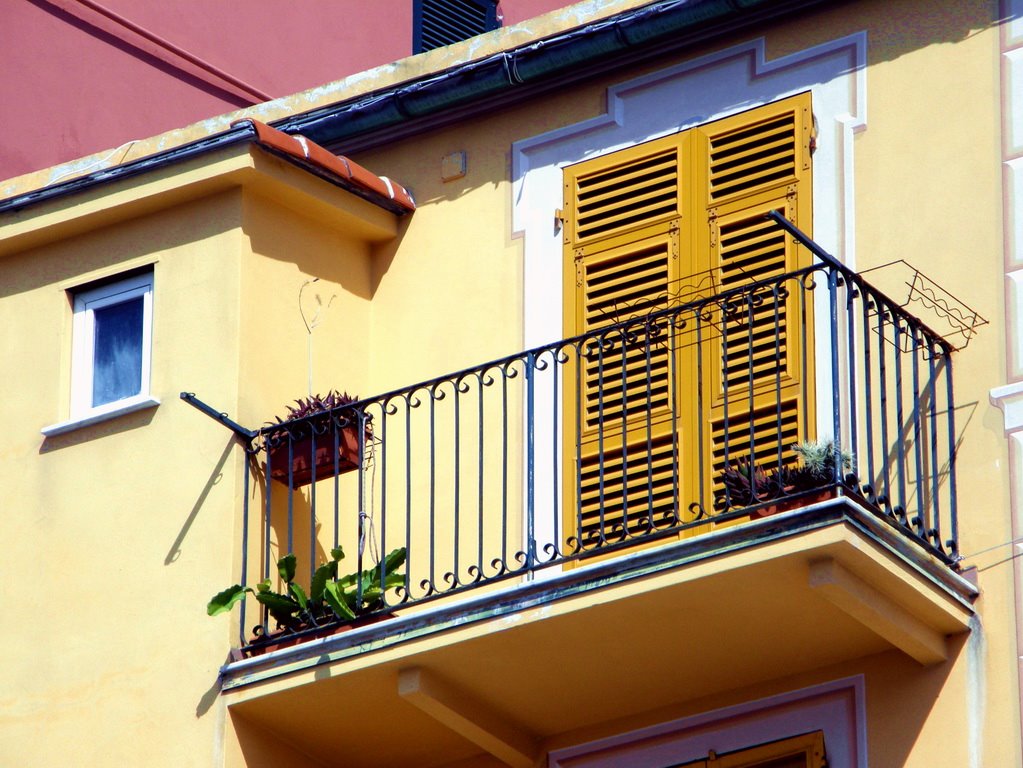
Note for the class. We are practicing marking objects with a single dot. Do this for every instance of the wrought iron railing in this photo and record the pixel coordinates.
(646, 428)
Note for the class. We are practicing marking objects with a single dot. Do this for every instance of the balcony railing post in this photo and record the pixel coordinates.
(249, 453)
(952, 543)
(530, 460)
(836, 394)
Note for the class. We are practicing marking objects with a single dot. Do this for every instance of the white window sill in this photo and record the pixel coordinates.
(103, 413)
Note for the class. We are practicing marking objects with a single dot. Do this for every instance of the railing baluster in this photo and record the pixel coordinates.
(900, 443)
(920, 521)
(882, 383)
(853, 374)
(934, 534)
(481, 475)
(953, 543)
(626, 332)
(457, 396)
(648, 335)
(868, 395)
(407, 400)
(245, 534)
(556, 480)
(431, 392)
(836, 395)
(776, 314)
(530, 364)
(578, 444)
(504, 465)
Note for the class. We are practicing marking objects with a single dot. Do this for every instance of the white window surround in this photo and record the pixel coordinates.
(661, 103)
(837, 708)
(87, 303)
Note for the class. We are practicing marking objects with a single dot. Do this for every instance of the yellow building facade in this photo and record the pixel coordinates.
(717, 230)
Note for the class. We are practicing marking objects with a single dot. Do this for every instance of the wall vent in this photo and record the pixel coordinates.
(437, 23)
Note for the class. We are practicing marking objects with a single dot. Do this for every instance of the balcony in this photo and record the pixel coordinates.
(587, 505)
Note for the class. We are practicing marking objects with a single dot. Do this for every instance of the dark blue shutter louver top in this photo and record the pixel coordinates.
(437, 23)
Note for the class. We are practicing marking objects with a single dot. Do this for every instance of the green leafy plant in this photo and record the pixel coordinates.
(329, 598)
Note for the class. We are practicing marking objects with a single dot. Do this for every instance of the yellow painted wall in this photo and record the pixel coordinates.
(115, 524)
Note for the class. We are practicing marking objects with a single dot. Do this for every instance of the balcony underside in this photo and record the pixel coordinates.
(501, 672)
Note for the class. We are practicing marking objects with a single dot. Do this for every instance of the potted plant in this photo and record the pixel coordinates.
(747, 484)
(330, 599)
(300, 470)
(816, 469)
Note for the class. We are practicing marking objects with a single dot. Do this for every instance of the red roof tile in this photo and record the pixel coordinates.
(349, 174)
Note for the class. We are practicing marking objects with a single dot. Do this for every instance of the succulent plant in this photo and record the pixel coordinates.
(314, 404)
(747, 483)
(818, 463)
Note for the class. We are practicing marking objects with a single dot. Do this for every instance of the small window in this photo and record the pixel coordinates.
(111, 339)
(437, 23)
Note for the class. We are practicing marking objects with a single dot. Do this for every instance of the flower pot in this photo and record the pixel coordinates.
(283, 638)
(785, 505)
(301, 469)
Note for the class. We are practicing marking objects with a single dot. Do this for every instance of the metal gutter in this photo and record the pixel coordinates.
(227, 138)
(497, 80)
(509, 76)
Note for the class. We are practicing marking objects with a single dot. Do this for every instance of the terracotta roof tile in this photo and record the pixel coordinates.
(349, 174)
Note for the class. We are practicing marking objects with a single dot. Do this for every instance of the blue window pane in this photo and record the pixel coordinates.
(117, 355)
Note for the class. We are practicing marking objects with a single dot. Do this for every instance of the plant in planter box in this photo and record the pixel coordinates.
(817, 464)
(303, 458)
(329, 598)
(747, 484)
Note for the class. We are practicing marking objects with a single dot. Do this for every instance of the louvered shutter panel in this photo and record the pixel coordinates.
(762, 358)
(627, 193)
(627, 399)
(622, 260)
(635, 234)
(437, 23)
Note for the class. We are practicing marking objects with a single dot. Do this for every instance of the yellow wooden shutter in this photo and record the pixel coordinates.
(638, 239)
(622, 256)
(762, 358)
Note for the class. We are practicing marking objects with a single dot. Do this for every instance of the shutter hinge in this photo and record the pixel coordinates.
(712, 220)
(810, 126)
(579, 276)
(790, 206)
(559, 219)
(673, 232)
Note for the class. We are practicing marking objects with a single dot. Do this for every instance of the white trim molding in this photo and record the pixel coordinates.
(837, 708)
(659, 104)
(689, 94)
(1009, 398)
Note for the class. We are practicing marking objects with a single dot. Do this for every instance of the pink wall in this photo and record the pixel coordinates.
(75, 82)
(519, 10)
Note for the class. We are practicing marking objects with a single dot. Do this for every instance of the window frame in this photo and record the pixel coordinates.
(85, 301)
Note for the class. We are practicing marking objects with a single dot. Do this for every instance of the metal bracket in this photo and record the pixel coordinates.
(241, 432)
